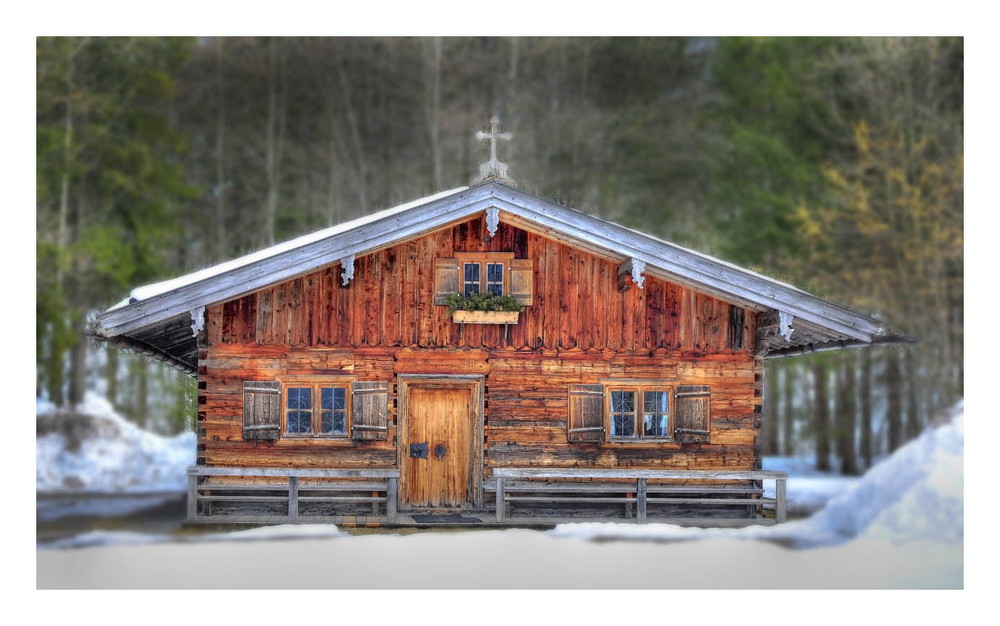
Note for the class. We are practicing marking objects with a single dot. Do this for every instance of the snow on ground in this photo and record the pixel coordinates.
(99, 505)
(104, 538)
(113, 455)
(808, 489)
(899, 526)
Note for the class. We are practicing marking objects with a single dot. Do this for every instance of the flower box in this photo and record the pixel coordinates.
(485, 317)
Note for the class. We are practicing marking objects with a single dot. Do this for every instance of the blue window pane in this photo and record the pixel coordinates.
(494, 278)
(332, 397)
(654, 425)
(655, 416)
(494, 272)
(655, 401)
(299, 398)
(298, 422)
(471, 278)
(622, 426)
(622, 401)
(333, 422)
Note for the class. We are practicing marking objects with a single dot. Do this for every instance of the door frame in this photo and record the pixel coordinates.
(476, 384)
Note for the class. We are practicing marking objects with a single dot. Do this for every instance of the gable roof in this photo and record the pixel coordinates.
(158, 318)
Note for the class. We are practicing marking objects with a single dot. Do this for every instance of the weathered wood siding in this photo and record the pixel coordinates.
(580, 329)
(390, 303)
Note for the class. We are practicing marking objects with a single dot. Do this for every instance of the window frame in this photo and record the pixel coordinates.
(638, 422)
(316, 384)
(484, 260)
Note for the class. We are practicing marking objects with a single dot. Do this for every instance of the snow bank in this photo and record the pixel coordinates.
(808, 489)
(104, 538)
(96, 450)
(282, 531)
(914, 496)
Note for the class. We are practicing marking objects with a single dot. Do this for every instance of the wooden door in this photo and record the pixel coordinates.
(438, 445)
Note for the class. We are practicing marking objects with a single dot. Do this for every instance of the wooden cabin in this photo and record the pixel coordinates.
(334, 383)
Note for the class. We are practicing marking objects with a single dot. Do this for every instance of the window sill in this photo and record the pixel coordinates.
(485, 317)
(289, 437)
(641, 440)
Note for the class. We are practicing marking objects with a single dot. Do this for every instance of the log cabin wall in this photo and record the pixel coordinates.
(579, 329)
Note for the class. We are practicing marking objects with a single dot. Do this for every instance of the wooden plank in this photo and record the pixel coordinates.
(192, 493)
(285, 472)
(501, 498)
(391, 505)
(512, 472)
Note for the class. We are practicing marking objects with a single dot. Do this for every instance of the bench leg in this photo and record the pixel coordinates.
(780, 510)
(390, 501)
(293, 498)
(192, 496)
(500, 500)
(640, 494)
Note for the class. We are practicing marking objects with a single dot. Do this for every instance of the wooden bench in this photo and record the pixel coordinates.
(338, 486)
(635, 488)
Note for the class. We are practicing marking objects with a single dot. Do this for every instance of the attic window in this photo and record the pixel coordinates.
(499, 273)
(483, 277)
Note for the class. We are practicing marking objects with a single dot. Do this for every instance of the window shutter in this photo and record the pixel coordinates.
(445, 278)
(586, 413)
(522, 280)
(691, 424)
(369, 411)
(261, 410)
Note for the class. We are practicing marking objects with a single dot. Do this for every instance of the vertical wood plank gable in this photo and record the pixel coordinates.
(389, 303)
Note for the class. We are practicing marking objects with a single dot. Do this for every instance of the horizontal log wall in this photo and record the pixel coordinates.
(526, 404)
(580, 329)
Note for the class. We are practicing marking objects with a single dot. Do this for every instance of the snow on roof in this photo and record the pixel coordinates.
(148, 291)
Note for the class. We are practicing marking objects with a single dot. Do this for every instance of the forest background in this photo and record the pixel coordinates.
(835, 164)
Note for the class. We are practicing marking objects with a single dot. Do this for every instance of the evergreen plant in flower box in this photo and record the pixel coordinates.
(483, 308)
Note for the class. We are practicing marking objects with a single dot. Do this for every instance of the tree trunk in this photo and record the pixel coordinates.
(846, 417)
(78, 369)
(432, 51)
(788, 415)
(894, 400)
(866, 408)
(914, 419)
(222, 237)
(770, 426)
(111, 374)
(359, 152)
(822, 418)
(276, 115)
(140, 390)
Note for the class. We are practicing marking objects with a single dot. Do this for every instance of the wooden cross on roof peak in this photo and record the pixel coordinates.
(493, 169)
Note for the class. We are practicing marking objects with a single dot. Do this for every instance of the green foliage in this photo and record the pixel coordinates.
(775, 115)
(481, 302)
(109, 180)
